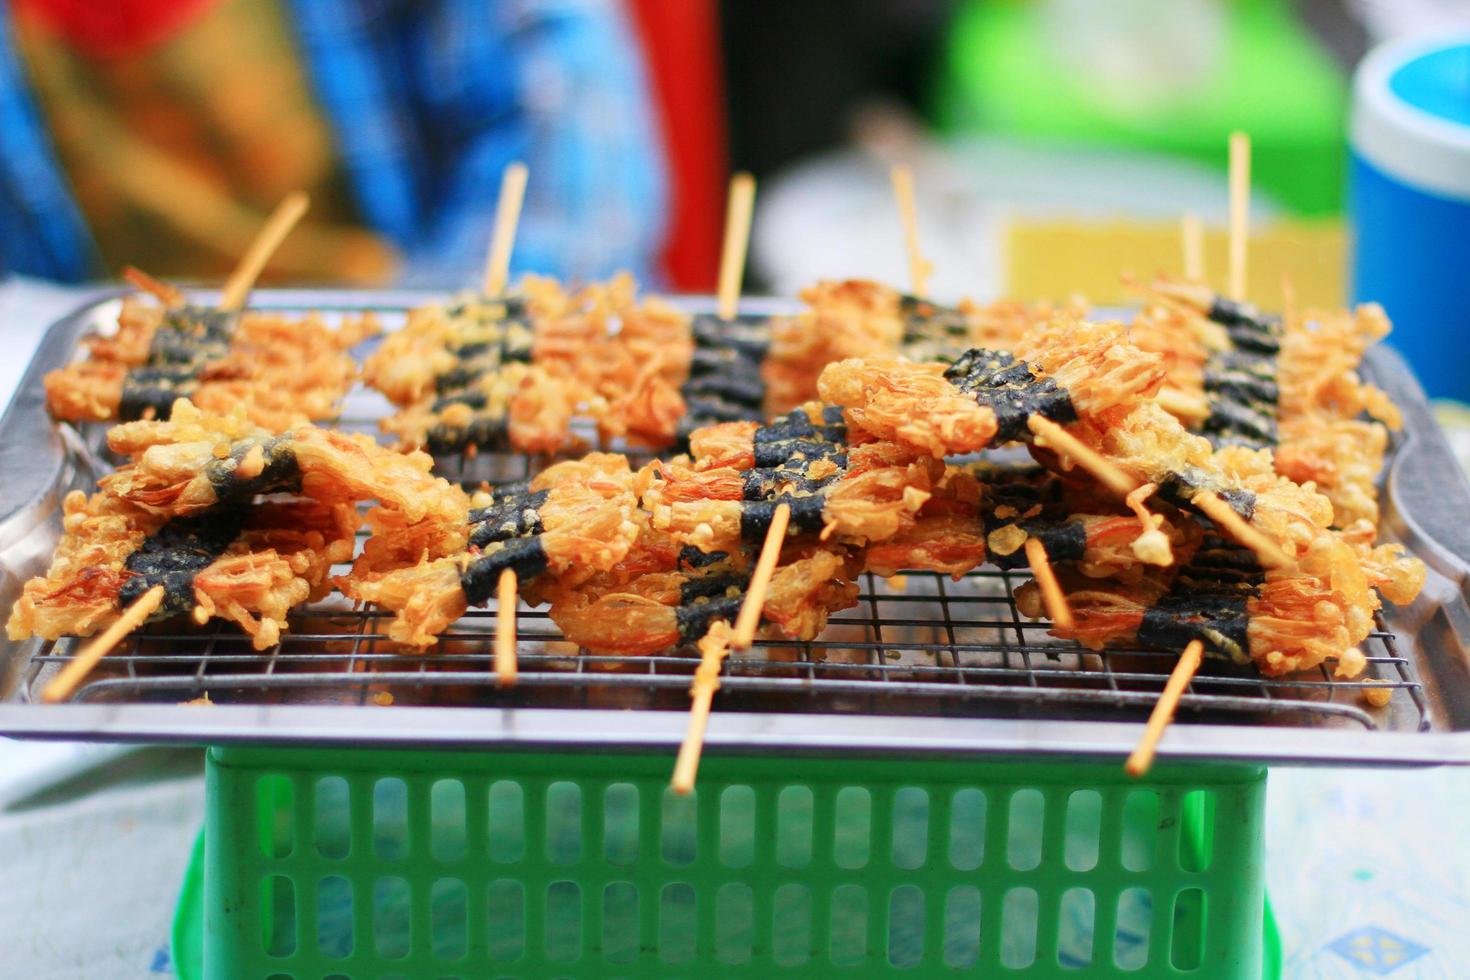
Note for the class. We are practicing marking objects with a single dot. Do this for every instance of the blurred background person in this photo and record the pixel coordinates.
(159, 133)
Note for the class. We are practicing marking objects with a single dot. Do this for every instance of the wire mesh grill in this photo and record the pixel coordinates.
(919, 644)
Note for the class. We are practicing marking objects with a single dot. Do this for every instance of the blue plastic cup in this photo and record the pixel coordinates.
(1411, 201)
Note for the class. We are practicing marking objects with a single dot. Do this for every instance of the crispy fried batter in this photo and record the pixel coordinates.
(282, 371)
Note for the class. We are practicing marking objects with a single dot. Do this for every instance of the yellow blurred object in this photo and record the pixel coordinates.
(1055, 259)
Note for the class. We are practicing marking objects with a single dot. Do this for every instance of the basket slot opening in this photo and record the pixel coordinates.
(1026, 823)
(620, 922)
(847, 930)
(852, 827)
(1018, 925)
(506, 911)
(392, 907)
(447, 813)
(507, 822)
(962, 927)
(734, 923)
(794, 827)
(334, 938)
(332, 830)
(1075, 927)
(677, 921)
(564, 832)
(679, 839)
(906, 926)
(1134, 925)
(563, 922)
(275, 815)
(1084, 827)
(1196, 843)
(1140, 829)
(449, 919)
(1187, 945)
(737, 826)
(967, 829)
(278, 915)
(620, 824)
(390, 819)
(791, 931)
(910, 828)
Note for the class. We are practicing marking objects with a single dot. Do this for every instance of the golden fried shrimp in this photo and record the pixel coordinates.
(249, 565)
(575, 520)
(1061, 370)
(196, 460)
(1282, 620)
(283, 371)
(443, 345)
(668, 609)
(909, 403)
(847, 319)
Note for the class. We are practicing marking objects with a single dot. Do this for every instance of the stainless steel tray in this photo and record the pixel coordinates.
(931, 666)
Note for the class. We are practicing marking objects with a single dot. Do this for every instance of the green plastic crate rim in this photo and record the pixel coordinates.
(397, 864)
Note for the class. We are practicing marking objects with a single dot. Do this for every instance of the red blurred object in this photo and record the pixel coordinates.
(681, 46)
(112, 28)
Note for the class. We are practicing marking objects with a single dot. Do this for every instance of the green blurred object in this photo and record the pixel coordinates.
(1173, 76)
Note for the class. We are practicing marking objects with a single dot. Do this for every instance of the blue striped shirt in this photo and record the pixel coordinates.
(429, 100)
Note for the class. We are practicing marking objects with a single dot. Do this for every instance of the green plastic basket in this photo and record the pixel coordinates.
(395, 864)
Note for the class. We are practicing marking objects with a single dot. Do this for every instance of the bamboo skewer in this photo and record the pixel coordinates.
(1046, 579)
(1143, 755)
(497, 275)
(760, 579)
(81, 665)
(505, 628)
(919, 267)
(1178, 403)
(713, 648)
(715, 645)
(1269, 552)
(277, 227)
(507, 216)
(1240, 211)
(162, 291)
(1192, 230)
(737, 242)
(1052, 436)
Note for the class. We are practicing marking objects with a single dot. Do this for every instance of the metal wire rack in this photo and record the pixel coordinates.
(919, 644)
(931, 647)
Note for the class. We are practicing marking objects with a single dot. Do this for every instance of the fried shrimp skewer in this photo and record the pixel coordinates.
(845, 493)
(574, 520)
(246, 564)
(283, 371)
(196, 460)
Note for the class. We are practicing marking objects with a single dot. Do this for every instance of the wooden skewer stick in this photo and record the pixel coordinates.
(919, 267)
(165, 294)
(1143, 756)
(713, 648)
(1178, 403)
(737, 241)
(1053, 436)
(1217, 510)
(760, 579)
(505, 628)
(81, 665)
(1193, 232)
(1240, 211)
(507, 216)
(277, 227)
(1046, 579)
